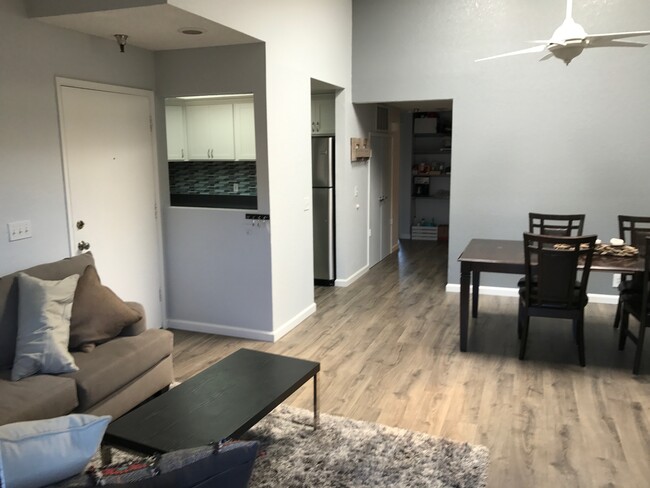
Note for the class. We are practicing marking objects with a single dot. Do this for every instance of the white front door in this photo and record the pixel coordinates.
(111, 180)
(379, 205)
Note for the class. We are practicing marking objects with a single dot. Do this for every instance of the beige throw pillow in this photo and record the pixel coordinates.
(98, 314)
(44, 309)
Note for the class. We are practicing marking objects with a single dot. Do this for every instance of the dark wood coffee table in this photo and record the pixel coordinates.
(223, 401)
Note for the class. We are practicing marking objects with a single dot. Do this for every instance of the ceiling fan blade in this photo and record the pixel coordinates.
(614, 43)
(548, 56)
(534, 49)
(616, 35)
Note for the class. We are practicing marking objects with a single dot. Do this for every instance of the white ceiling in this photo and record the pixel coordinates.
(154, 27)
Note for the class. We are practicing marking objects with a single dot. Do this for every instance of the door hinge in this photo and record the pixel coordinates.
(150, 124)
(155, 211)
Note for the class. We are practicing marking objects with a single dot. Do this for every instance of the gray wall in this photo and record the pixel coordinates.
(31, 176)
(527, 135)
(218, 265)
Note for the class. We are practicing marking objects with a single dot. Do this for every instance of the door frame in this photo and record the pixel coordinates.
(389, 155)
(62, 82)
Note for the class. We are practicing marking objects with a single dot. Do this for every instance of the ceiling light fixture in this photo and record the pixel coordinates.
(191, 31)
(121, 41)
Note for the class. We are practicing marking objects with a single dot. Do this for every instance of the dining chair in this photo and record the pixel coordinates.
(565, 225)
(637, 305)
(553, 286)
(556, 224)
(633, 230)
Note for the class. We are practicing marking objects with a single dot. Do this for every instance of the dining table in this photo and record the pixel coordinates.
(507, 256)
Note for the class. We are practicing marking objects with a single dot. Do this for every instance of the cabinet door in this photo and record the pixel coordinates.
(315, 116)
(175, 119)
(199, 131)
(223, 146)
(210, 131)
(244, 118)
(326, 116)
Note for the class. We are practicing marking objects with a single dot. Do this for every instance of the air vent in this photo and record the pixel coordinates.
(382, 119)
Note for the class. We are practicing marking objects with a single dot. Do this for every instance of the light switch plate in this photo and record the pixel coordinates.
(20, 230)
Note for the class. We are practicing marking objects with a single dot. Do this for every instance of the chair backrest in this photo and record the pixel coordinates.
(552, 269)
(634, 230)
(556, 224)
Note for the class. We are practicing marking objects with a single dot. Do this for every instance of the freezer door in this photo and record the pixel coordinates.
(321, 157)
(323, 202)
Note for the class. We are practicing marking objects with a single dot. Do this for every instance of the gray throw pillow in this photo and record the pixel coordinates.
(44, 309)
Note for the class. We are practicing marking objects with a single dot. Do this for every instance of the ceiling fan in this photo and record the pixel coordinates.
(570, 39)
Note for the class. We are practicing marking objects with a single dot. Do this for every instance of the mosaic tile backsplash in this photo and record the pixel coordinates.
(212, 178)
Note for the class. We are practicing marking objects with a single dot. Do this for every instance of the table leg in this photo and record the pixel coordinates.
(476, 282)
(316, 408)
(106, 454)
(465, 272)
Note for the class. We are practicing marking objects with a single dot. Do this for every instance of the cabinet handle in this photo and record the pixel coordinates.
(208, 154)
(313, 126)
(317, 126)
(182, 153)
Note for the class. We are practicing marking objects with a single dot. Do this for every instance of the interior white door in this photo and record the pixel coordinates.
(109, 159)
(379, 205)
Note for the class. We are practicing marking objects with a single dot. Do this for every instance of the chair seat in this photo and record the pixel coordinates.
(560, 306)
(635, 285)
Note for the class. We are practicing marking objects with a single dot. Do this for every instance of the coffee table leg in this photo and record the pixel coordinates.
(316, 411)
(106, 454)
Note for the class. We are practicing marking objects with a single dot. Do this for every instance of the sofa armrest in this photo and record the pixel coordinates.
(140, 326)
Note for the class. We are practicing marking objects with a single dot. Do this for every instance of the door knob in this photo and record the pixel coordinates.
(80, 224)
(83, 246)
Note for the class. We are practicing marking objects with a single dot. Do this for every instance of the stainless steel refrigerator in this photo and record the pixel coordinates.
(322, 154)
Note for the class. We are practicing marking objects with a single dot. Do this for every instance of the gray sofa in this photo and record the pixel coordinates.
(112, 379)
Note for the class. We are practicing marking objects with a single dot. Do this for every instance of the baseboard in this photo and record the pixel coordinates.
(502, 291)
(227, 330)
(351, 279)
(293, 322)
(241, 332)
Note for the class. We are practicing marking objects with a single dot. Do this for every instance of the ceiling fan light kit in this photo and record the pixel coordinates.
(570, 39)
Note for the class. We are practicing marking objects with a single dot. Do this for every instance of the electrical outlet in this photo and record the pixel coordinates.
(616, 279)
(20, 230)
(235, 187)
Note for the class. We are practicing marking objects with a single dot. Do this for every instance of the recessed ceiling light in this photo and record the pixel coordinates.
(191, 31)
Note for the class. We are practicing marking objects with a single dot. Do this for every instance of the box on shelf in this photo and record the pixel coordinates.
(425, 125)
(424, 233)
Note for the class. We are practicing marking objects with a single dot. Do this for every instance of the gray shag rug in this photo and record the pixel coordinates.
(346, 453)
(351, 453)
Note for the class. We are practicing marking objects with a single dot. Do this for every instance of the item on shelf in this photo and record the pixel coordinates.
(426, 124)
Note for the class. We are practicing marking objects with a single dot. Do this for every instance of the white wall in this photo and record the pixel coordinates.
(31, 178)
(303, 40)
(218, 265)
(527, 135)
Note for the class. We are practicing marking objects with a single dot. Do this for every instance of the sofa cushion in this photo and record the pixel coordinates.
(98, 314)
(9, 298)
(44, 308)
(36, 397)
(42, 452)
(114, 364)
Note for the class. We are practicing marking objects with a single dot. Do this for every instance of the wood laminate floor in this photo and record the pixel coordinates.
(388, 348)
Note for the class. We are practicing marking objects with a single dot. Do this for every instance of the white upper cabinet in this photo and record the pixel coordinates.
(210, 133)
(322, 114)
(176, 142)
(244, 128)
